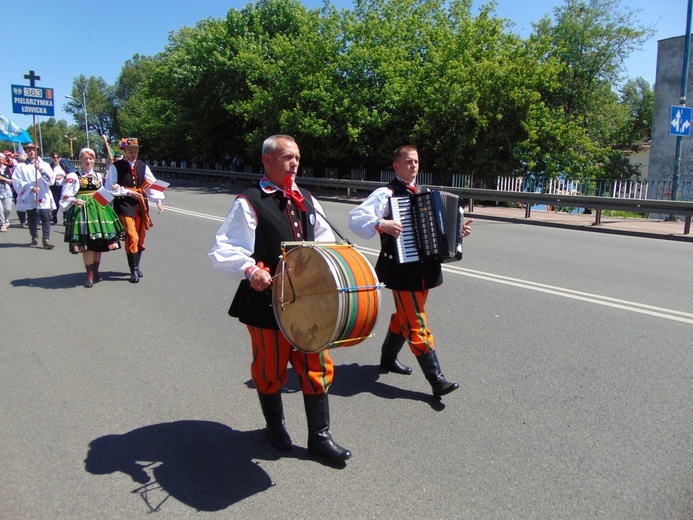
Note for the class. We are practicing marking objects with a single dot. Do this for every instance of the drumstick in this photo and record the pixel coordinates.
(333, 227)
(288, 269)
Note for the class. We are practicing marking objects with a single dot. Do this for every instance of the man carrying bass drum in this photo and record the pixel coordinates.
(247, 247)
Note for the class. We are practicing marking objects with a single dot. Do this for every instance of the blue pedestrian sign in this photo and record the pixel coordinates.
(680, 121)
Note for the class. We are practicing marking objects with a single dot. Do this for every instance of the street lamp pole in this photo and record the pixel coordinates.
(84, 107)
(72, 152)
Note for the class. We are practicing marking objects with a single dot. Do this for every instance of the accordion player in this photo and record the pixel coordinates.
(431, 226)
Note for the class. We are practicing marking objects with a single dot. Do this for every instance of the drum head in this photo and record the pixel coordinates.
(306, 278)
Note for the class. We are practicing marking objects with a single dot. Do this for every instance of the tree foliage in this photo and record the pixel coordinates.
(50, 137)
(100, 110)
(353, 84)
(637, 100)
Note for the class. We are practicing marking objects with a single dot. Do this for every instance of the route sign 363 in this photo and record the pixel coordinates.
(37, 101)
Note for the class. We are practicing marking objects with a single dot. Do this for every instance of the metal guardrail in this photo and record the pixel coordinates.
(528, 199)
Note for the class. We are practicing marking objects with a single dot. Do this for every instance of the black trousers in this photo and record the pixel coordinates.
(56, 191)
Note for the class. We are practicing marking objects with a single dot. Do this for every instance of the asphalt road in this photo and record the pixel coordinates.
(572, 350)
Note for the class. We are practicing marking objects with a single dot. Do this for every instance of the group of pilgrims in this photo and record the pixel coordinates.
(100, 210)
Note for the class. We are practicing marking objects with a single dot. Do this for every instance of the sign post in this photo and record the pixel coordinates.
(682, 100)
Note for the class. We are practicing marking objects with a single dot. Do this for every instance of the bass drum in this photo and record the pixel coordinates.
(325, 296)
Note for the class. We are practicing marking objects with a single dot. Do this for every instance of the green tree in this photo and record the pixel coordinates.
(101, 110)
(51, 134)
(285, 59)
(351, 85)
(179, 111)
(127, 93)
(224, 85)
(637, 99)
(591, 40)
(476, 108)
(585, 49)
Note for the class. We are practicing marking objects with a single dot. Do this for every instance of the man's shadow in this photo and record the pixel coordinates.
(205, 465)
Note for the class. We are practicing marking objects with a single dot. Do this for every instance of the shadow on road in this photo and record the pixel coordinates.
(67, 281)
(205, 465)
(62, 281)
(356, 379)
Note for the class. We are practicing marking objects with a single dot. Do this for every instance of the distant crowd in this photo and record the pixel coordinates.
(99, 210)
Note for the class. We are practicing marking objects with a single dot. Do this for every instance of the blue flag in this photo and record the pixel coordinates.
(11, 132)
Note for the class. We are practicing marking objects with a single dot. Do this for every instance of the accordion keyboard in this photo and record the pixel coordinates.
(406, 242)
(431, 227)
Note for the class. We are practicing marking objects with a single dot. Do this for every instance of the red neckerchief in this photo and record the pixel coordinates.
(296, 197)
(411, 187)
(292, 194)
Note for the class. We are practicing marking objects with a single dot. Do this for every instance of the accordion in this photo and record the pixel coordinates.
(431, 226)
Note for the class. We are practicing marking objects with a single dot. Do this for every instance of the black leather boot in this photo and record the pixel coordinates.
(388, 357)
(89, 282)
(131, 263)
(97, 275)
(319, 439)
(138, 256)
(273, 411)
(431, 369)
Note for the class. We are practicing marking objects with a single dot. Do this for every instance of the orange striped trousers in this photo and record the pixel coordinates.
(272, 352)
(410, 321)
(134, 233)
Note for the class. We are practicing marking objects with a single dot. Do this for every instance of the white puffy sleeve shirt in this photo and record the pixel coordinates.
(154, 196)
(27, 176)
(71, 187)
(235, 239)
(364, 217)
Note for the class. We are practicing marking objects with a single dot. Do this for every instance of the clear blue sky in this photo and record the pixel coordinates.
(61, 40)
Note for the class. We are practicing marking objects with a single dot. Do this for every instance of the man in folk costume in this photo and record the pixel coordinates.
(129, 180)
(409, 282)
(247, 247)
(32, 180)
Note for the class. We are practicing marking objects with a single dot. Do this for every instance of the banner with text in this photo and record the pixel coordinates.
(36, 101)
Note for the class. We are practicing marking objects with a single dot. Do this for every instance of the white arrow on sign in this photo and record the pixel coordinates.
(676, 122)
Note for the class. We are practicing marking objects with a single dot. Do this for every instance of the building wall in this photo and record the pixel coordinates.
(640, 158)
(667, 93)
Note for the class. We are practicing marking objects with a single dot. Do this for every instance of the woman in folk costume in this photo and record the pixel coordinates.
(92, 228)
(130, 179)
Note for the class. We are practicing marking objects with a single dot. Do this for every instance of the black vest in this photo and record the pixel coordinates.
(415, 276)
(128, 206)
(274, 226)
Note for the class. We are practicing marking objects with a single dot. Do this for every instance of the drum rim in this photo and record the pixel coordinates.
(349, 325)
(347, 316)
(340, 303)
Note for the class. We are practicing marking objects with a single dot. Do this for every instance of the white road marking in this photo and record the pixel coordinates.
(607, 301)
